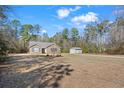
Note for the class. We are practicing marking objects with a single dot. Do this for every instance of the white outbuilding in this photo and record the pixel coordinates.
(75, 50)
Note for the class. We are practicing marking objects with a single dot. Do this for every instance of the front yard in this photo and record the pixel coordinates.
(66, 71)
(32, 71)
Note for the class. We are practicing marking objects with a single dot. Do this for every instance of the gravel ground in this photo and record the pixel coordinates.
(73, 71)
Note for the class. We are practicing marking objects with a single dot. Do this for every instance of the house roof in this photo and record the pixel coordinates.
(41, 44)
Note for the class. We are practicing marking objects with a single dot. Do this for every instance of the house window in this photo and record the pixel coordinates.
(35, 50)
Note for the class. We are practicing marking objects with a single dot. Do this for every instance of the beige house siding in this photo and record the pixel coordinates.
(48, 50)
(35, 46)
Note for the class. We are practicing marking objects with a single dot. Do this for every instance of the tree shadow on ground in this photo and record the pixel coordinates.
(20, 57)
(39, 72)
(50, 75)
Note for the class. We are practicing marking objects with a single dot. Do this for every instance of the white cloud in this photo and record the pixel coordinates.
(64, 12)
(89, 17)
(44, 31)
(75, 9)
(110, 22)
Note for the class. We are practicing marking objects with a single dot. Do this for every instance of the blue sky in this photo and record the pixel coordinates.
(54, 18)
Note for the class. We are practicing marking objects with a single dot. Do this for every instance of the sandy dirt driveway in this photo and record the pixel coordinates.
(95, 71)
(71, 71)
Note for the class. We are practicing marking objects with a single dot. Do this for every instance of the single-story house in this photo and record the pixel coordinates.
(75, 50)
(36, 47)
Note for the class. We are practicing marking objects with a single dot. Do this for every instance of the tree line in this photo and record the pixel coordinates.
(99, 37)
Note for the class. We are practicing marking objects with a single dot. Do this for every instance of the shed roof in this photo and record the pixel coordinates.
(41, 44)
(75, 48)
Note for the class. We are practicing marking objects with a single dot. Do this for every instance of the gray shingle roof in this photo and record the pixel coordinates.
(41, 44)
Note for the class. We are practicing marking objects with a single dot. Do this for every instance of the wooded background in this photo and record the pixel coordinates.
(99, 37)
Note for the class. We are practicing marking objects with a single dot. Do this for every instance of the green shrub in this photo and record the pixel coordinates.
(3, 58)
(65, 50)
(85, 49)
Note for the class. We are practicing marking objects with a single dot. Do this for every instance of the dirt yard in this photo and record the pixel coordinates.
(72, 71)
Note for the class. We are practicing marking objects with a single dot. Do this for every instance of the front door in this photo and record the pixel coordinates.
(43, 50)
